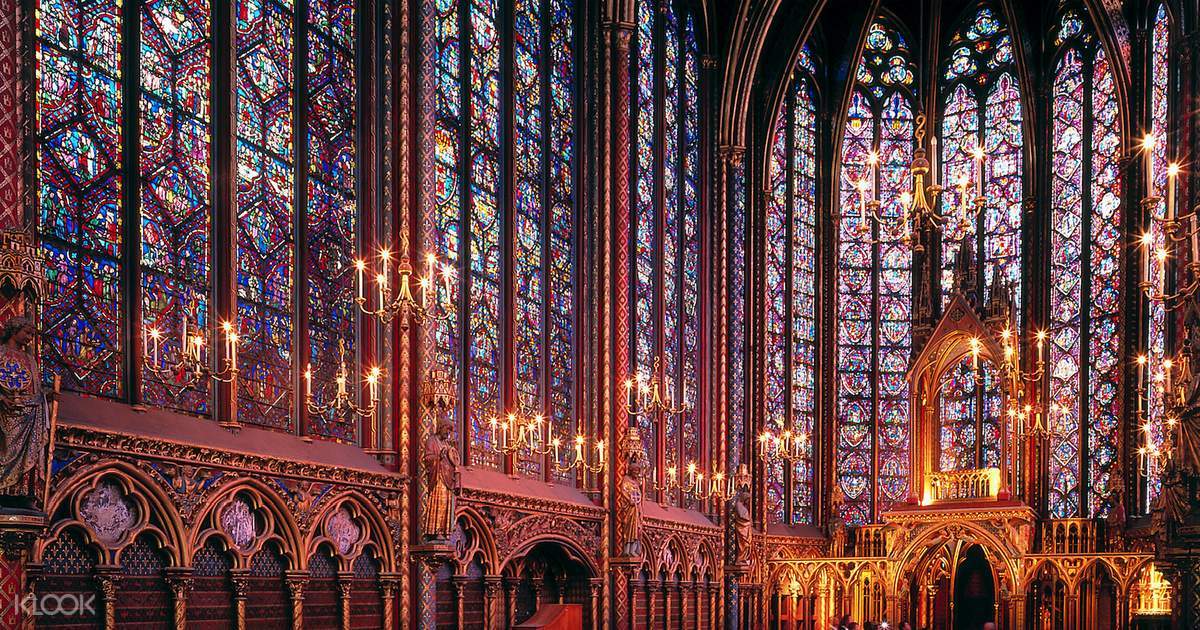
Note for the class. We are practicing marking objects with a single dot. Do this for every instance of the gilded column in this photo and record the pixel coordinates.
(180, 582)
(107, 580)
(296, 581)
(1016, 606)
(345, 591)
(667, 589)
(240, 579)
(653, 587)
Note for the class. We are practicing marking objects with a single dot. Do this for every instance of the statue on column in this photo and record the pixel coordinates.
(837, 526)
(743, 523)
(25, 417)
(629, 496)
(442, 481)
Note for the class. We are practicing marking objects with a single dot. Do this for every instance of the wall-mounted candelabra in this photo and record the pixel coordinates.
(693, 483)
(401, 303)
(190, 365)
(788, 446)
(1167, 237)
(1027, 414)
(343, 400)
(522, 432)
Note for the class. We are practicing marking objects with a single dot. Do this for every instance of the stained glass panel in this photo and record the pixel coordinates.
(1156, 342)
(332, 214)
(803, 305)
(175, 185)
(266, 217)
(78, 136)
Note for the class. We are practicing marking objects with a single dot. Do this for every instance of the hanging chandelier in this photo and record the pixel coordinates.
(401, 303)
(918, 204)
(650, 395)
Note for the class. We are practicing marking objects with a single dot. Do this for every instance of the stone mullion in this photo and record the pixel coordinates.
(493, 611)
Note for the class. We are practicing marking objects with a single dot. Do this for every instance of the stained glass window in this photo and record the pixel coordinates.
(666, 177)
(982, 109)
(470, 212)
(1085, 276)
(737, 313)
(874, 287)
(968, 397)
(1156, 342)
(79, 162)
(82, 142)
(175, 182)
(790, 292)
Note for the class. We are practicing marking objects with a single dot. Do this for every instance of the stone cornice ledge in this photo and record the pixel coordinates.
(86, 438)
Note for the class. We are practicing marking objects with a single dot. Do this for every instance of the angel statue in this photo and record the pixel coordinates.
(25, 417)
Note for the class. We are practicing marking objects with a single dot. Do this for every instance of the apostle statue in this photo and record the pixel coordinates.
(837, 526)
(629, 497)
(442, 481)
(25, 417)
(739, 514)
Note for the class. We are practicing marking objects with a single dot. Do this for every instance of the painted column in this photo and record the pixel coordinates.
(493, 605)
(458, 583)
(108, 581)
(296, 581)
(180, 583)
(388, 586)
(240, 580)
(345, 591)
(596, 587)
(732, 607)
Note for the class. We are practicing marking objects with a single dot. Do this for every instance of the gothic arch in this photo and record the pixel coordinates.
(331, 526)
(473, 540)
(110, 505)
(928, 540)
(261, 507)
(568, 545)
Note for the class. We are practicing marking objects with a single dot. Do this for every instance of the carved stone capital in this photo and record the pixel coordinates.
(296, 582)
(180, 581)
(240, 580)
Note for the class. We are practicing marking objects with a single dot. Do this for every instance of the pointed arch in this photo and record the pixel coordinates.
(874, 285)
(1086, 244)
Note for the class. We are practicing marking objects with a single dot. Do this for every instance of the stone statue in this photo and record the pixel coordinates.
(743, 524)
(1115, 521)
(24, 417)
(442, 481)
(629, 497)
(837, 526)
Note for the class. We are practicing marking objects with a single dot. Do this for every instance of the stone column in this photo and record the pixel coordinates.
(108, 580)
(622, 572)
(345, 592)
(596, 587)
(296, 581)
(180, 582)
(459, 584)
(1016, 606)
(240, 580)
(388, 585)
(652, 589)
(510, 594)
(493, 605)
(732, 604)
(428, 559)
(668, 588)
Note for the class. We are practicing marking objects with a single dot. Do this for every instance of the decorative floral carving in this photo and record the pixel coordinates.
(107, 512)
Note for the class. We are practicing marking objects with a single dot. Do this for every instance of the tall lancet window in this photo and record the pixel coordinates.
(874, 285)
(506, 224)
(981, 108)
(666, 237)
(126, 214)
(790, 294)
(1161, 96)
(1085, 273)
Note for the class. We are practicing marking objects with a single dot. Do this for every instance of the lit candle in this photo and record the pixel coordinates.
(308, 380)
(183, 335)
(373, 384)
(1161, 256)
(555, 442)
(978, 153)
(360, 267)
(493, 423)
(963, 184)
(933, 160)
(1148, 146)
(873, 160)
(862, 202)
(341, 385)
(629, 393)
(383, 283)
(600, 450)
(1041, 339)
(975, 353)
(1172, 175)
(579, 448)
(1147, 241)
(386, 255)
(1167, 365)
